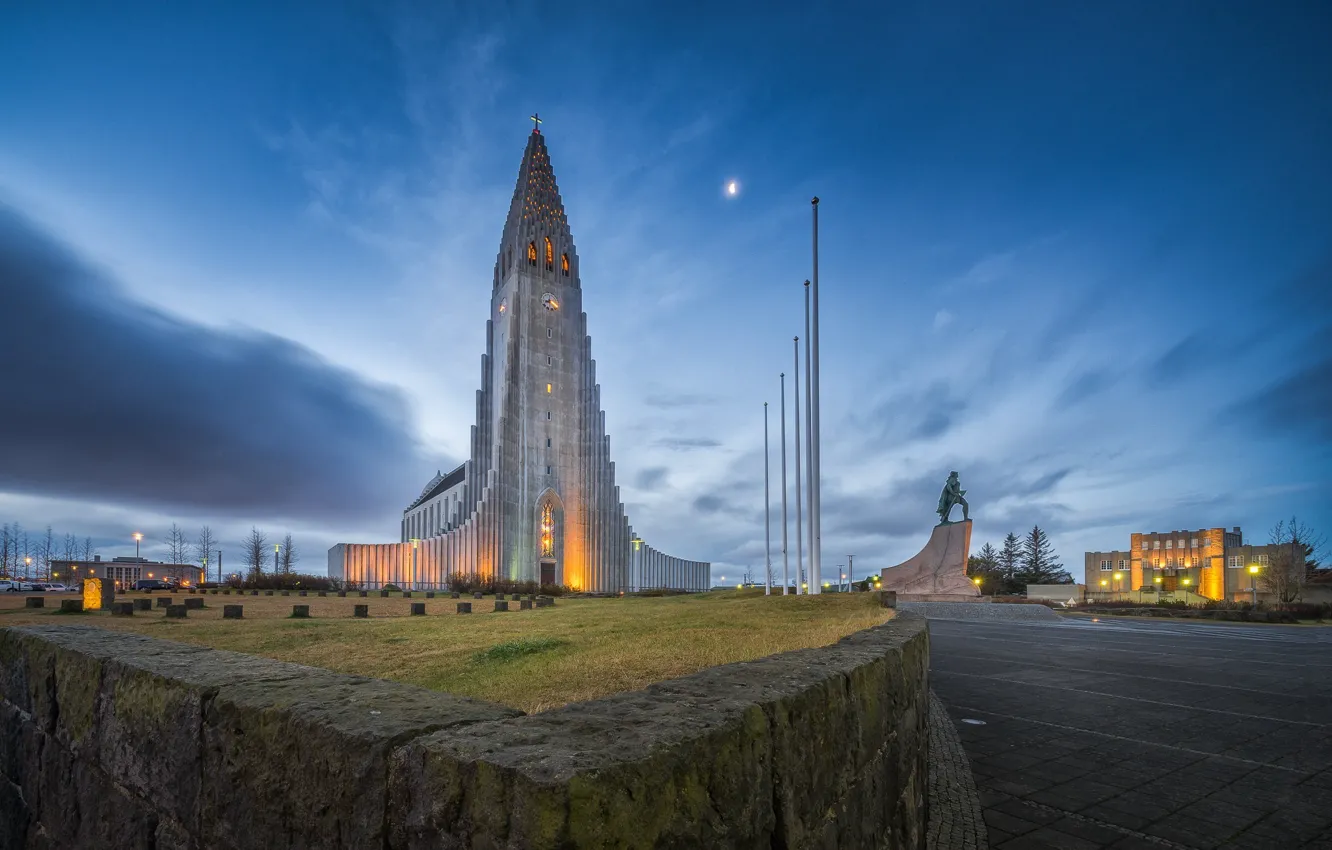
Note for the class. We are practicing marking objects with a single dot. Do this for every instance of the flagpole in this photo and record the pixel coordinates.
(786, 557)
(814, 387)
(799, 494)
(809, 456)
(767, 504)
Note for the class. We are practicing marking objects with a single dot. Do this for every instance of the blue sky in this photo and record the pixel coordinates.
(1080, 253)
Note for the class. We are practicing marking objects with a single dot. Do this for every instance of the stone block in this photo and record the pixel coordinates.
(122, 609)
(171, 590)
(71, 606)
(323, 593)
(302, 593)
(213, 591)
(383, 594)
(524, 605)
(194, 604)
(233, 612)
(499, 596)
(501, 605)
(476, 594)
(418, 609)
(226, 592)
(888, 598)
(143, 604)
(455, 595)
(300, 611)
(361, 611)
(406, 594)
(163, 601)
(268, 593)
(365, 593)
(254, 593)
(193, 591)
(286, 593)
(342, 594)
(464, 607)
(176, 612)
(430, 594)
(940, 567)
(35, 602)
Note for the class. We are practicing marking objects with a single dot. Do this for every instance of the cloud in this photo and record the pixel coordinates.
(117, 401)
(671, 400)
(923, 414)
(1083, 387)
(1299, 404)
(651, 478)
(684, 444)
(942, 319)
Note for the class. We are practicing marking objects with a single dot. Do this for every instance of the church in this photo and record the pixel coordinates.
(537, 499)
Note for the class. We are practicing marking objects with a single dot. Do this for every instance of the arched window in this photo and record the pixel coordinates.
(550, 256)
(547, 531)
(564, 264)
(531, 253)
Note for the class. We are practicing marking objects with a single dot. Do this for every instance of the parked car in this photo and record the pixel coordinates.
(20, 586)
(57, 587)
(9, 586)
(151, 584)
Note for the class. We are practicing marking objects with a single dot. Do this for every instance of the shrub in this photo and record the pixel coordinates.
(510, 650)
(464, 583)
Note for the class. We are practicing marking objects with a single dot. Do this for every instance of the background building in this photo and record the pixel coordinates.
(1209, 563)
(125, 571)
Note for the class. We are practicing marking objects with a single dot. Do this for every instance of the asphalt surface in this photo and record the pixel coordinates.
(1143, 734)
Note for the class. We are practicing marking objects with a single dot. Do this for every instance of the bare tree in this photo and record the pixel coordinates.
(1297, 549)
(253, 550)
(203, 550)
(6, 548)
(46, 548)
(71, 552)
(178, 548)
(86, 551)
(289, 555)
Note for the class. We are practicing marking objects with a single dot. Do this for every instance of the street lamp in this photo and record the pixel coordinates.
(977, 582)
(1118, 576)
(1253, 583)
(27, 567)
(276, 547)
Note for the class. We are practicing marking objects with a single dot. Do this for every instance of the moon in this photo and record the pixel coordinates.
(732, 188)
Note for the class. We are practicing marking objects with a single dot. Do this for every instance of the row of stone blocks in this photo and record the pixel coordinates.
(237, 612)
(119, 740)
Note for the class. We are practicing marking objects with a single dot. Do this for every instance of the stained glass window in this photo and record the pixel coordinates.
(547, 531)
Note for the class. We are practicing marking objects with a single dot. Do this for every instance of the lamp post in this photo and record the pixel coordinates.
(1118, 576)
(414, 542)
(276, 547)
(786, 557)
(800, 494)
(1253, 583)
(850, 571)
(27, 566)
(977, 582)
(767, 507)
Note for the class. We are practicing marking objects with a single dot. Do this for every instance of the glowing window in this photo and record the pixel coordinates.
(550, 255)
(547, 388)
(1170, 544)
(531, 253)
(547, 528)
(564, 264)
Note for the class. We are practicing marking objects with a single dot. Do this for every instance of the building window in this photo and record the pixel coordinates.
(531, 253)
(564, 264)
(548, 442)
(1170, 544)
(1235, 562)
(547, 414)
(1105, 565)
(549, 333)
(548, 470)
(1262, 559)
(1156, 544)
(1122, 562)
(547, 389)
(1181, 545)
(550, 256)
(1194, 543)
(547, 529)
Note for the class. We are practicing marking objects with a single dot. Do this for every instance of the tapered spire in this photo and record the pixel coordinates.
(536, 233)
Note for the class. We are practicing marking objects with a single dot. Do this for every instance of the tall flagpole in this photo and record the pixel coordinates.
(767, 504)
(809, 456)
(786, 557)
(799, 494)
(814, 387)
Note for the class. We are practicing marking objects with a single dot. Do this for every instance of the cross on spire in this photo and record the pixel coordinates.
(536, 123)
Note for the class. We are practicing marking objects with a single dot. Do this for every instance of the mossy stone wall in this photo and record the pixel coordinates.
(118, 740)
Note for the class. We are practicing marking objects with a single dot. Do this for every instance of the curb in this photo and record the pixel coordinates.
(955, 810)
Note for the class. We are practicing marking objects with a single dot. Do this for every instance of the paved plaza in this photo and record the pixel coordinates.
(1133, 734)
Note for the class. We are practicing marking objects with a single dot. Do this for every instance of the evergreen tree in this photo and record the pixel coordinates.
(1040, 564)
(985, 566)
(1010, 557)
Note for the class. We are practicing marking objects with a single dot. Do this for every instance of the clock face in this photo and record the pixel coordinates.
(549, 302)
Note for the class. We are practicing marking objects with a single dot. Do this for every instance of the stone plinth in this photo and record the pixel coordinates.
(163, 602)
(361, 611)
(98, 593)
(300, 611)
(176, 612)
(143, 604)
(418, 609)
(939, 568)
(233, 612)
(35, 602)
(194, 603)
(464, 607)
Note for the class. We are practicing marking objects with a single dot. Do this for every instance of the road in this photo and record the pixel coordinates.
(1133, 734)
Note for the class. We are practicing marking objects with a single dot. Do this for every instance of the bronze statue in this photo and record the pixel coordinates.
(952, 495)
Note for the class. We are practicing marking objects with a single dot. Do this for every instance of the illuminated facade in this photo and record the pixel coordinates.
(537, 500)
(1214, 563)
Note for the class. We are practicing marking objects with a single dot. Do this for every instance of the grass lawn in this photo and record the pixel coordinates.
(531, 660)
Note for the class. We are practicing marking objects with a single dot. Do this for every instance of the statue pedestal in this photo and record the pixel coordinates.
(940, 569)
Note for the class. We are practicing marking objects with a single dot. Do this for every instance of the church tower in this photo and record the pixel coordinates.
(537, 500)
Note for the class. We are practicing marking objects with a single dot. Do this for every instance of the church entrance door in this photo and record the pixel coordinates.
(547, 572)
